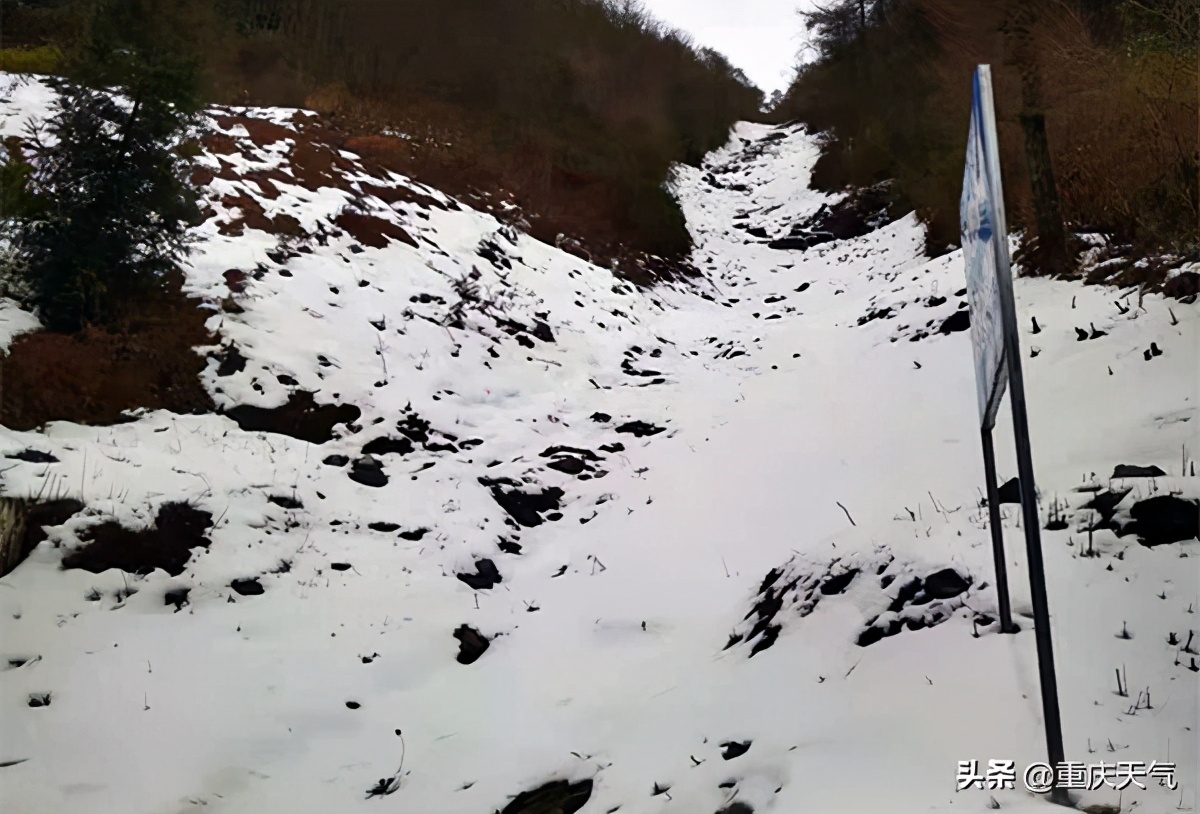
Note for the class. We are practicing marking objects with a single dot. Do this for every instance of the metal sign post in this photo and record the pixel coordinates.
(997, 363)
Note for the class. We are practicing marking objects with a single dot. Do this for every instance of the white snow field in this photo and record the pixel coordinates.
(675, 511)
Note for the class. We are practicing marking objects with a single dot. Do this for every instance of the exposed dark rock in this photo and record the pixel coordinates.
(486, 575)
(736, 807)
(767, 638)
(167, 544)
(1105, 503)
(542, 331)
(236, 280)
(1182, 285)
(908, 591)
(601, 418)
(286, 502)
(229, 360)
(301, 417)
(414, 535)
(336, 460)
(835, 585)
(615, 446)
(1165, 519)
(586, 454)
(249, 586)
(876, 632)
(1135, 471)
(340, 566)
(368, 471)
(876, 313)
(799, 242)
(946, 584)
(177, 597)
(526, 508)
(1010, 492)
(471, 644)
(639, 429)
(568, 464)
(558, 797)
(414, 428)
(388, 446)
(958, 321)
(734, 749)
(385, 527)
(33, 456)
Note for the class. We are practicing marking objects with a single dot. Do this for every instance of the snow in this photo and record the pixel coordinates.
(824, 445)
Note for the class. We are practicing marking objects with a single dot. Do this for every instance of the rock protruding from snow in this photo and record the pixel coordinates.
(471, 644)
(557, 797)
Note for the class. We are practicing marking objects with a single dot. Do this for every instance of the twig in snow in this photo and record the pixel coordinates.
(848, 517)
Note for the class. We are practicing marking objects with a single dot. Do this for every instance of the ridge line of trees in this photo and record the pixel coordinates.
(577, 107)
(1097, 109)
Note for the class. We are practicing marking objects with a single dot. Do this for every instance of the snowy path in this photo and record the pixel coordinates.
(607, 658)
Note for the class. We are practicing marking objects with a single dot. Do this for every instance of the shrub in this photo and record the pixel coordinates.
(110, 197)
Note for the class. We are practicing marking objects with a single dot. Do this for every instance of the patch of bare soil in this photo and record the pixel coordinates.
(301, 417)
(95, 376)
(167, 544)
(372, 231)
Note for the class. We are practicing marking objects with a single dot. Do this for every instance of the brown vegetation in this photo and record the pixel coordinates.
(1114, 79)
(94, 376)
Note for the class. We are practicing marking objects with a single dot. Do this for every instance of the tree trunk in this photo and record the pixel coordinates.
(1052, 254)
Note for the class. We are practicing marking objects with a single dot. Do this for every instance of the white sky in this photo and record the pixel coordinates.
(761, 37)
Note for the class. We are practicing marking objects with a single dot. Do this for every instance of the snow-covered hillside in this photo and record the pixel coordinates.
(714, 547)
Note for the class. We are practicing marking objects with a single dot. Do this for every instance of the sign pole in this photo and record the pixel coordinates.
(1032, 523)
(993, 502)
(998, 362)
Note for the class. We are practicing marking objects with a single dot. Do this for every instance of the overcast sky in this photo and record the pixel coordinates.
(761, 37)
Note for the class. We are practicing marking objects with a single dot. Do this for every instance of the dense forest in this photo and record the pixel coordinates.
(1096, 103)
(577, 108)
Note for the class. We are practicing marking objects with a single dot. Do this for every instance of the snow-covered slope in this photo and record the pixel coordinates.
(683, 520)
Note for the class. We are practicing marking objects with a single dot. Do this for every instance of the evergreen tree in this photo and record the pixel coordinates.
(114, 201)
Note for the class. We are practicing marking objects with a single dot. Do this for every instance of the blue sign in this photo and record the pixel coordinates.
(985, 248)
